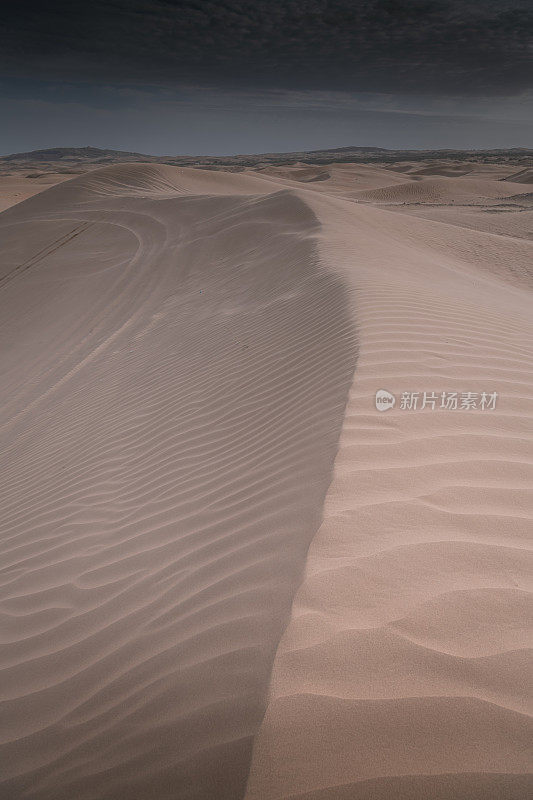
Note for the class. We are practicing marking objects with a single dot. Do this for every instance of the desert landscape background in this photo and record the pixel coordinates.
(225, 573)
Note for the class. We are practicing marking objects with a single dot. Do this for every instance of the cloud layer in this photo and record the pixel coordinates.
(434, 46)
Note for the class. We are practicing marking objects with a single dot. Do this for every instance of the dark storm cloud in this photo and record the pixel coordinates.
(437, 46)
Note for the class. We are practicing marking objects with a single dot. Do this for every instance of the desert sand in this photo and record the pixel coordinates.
(225, 573)
(14, 188)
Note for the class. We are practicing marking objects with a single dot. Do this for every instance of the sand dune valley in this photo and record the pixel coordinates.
(225, 572)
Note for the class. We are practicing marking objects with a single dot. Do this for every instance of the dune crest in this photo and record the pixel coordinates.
(174, 387)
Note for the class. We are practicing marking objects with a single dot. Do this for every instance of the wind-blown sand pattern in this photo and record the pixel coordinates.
(404, 671)
(226, 574)
(174, 387)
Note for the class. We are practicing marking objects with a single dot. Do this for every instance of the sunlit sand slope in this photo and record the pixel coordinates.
(175, 369)
(405, 670)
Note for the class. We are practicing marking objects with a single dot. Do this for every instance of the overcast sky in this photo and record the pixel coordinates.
(244, 76)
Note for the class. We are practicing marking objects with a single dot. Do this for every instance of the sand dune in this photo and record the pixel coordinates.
(522, 176)
(439, 190)
(344, 180)
(178, 366)
(304, 173)
(15, 188)
(509, 219)
(445, 170)
(404, 670)
(225, 573)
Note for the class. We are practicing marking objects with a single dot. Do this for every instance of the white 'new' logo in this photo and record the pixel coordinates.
(384, 400)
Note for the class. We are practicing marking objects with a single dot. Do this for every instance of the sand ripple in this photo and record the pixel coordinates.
(405, 670)
(174, 389)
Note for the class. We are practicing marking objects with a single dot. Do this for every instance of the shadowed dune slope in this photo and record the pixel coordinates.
(175, 371)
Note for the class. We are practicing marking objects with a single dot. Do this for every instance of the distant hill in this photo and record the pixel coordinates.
(79, 159)
(75, 153)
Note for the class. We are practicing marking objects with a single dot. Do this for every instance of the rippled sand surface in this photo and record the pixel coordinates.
(225, 573)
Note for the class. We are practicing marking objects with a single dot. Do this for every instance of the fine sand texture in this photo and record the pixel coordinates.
(177, 366)
(225, 573)
(405, 671)
(14, 188)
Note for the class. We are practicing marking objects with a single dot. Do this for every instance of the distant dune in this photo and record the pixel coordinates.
(523, 176)
(438, 190)
(226, 574)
